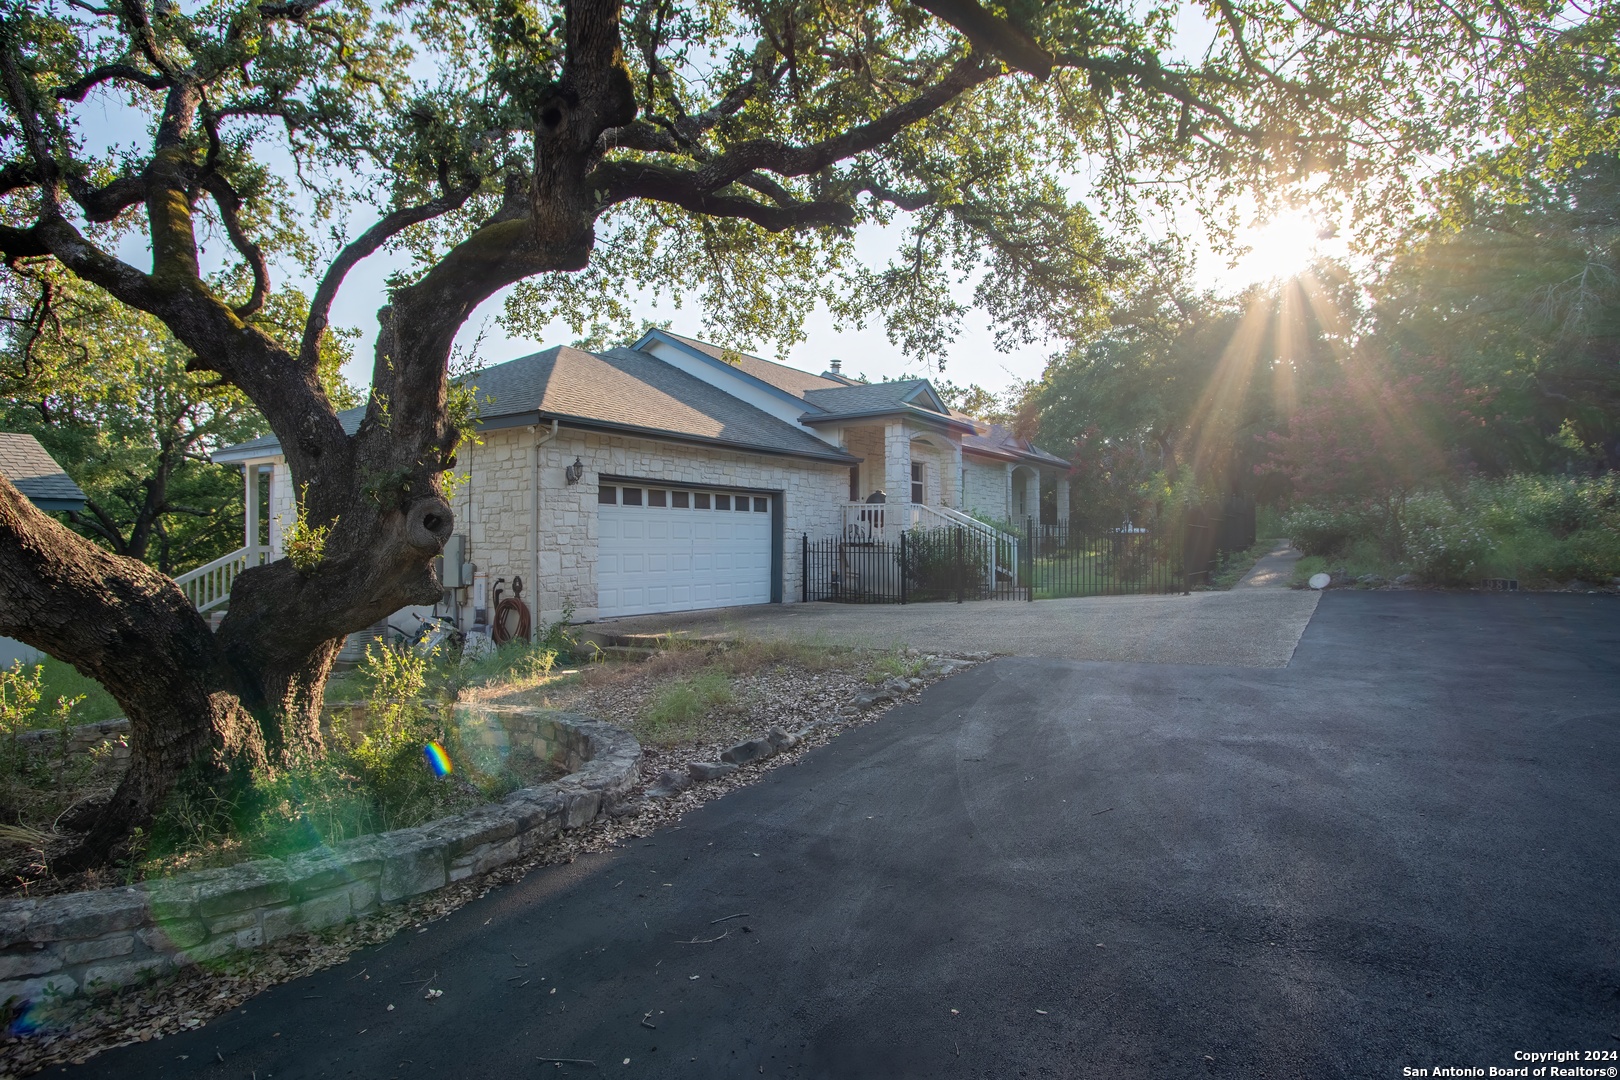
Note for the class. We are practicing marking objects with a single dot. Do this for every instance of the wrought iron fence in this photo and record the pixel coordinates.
(1064, 561)
(921, 565)
(1213, 529)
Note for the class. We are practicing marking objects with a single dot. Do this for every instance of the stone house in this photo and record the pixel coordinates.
(674, 475)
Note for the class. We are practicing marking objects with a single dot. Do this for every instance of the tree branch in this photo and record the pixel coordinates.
(230, 205)
(320, 307)
(787, 160)
(621, 181)
(78, 88)
(992, 34)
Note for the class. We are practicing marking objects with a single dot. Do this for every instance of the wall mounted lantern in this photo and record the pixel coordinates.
(574, 471)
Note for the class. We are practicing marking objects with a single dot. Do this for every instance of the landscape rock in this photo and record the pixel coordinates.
(781, 740)
(752, 750)
(1406, 579)
(709, 770)
(868, 698)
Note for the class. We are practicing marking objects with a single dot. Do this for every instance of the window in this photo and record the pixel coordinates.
(655, 497)
(722, 502)
(916, 482)
(702, 498)
(681, 500)
(761, 506)
(854, 483)
(607, 495)
(632, 496)
(741, 504)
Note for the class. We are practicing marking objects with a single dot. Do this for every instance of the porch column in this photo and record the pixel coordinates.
(1063, 500)
(950, 480)
(1032, 496)
(250, 504)
(897, 461)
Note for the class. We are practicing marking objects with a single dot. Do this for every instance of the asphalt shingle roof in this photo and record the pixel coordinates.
(794, 381)
(864, 397)
(618, 389)
(36, 474)
(270, 446)
(998, 440)
(623, 388)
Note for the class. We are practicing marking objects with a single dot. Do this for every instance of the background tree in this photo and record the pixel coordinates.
(107, 390)
(1519, 295)
(1192, 377)
(572, 150)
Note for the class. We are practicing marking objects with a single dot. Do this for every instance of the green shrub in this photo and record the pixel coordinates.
(1443, 543)
(936, 564)
(1319, 530)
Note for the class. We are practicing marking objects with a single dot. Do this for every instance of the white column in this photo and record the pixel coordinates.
(950, 480)
(250, 505)
(1032, 496)
(1063, 500)
(897, 461)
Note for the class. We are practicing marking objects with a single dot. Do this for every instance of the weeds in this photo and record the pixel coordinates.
(895, 664)
(676, 713)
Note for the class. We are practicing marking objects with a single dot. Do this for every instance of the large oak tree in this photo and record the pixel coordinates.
(575, 148)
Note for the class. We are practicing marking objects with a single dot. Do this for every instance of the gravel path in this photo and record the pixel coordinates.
(1251, 627)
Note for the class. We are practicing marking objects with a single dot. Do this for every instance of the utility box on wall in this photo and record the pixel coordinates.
(454, 570)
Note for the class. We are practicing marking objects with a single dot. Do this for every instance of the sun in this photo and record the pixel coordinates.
(1279, 248)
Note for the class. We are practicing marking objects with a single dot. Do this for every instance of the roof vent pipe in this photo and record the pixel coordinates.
(837, 366)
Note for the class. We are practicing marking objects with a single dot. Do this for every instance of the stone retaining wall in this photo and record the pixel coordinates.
(81, 739)
(95, 941)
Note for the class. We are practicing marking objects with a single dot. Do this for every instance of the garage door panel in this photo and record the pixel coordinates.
(670, 558)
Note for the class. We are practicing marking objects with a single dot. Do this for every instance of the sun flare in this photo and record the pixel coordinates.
(1280, 248)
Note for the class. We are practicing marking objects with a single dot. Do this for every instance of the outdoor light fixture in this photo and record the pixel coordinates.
(574, 471)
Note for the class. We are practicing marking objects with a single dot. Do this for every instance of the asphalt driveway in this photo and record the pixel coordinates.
(1397, 852)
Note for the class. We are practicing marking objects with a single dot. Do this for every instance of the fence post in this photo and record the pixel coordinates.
(804, 568)
(1029, 547)
(904, 596)
(961, 569)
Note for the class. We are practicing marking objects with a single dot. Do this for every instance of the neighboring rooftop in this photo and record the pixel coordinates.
(268, 446)
(36, 474)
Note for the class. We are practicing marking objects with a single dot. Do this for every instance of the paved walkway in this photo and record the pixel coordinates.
(1250, 627)
(1274, 569)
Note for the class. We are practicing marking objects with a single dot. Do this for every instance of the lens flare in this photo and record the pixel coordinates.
(437, 760)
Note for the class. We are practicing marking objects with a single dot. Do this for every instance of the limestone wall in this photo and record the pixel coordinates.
(986, 482)
(496, 513)
(94, 941)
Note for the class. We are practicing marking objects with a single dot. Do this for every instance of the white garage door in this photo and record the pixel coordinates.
(679, 549)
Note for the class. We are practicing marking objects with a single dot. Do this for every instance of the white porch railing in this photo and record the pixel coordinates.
(866, 523)
(210, 586)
